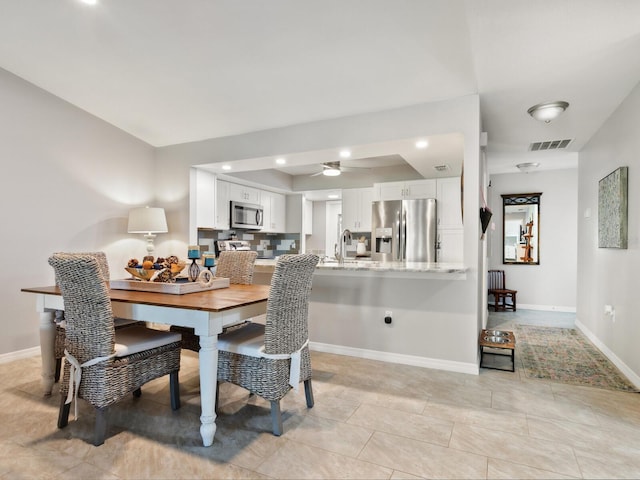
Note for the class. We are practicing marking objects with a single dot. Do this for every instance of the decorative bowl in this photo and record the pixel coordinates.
(141, 273)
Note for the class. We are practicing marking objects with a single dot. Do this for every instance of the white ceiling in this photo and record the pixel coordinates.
(174, 71)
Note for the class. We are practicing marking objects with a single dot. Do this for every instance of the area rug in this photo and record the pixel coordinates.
(565, 355)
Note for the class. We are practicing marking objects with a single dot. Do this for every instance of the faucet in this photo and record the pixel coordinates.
(346, 236)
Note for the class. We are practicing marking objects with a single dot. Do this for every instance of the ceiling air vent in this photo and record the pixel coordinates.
(441, 168)
(550, 145)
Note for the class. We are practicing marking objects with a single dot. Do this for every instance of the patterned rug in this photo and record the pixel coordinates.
(565, 355)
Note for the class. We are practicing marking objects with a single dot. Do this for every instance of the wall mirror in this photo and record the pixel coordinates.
(521, 228)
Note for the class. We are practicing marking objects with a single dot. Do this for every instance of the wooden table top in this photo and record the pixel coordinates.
(210, 300)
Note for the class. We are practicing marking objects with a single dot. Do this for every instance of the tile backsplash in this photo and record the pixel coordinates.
(266, 244)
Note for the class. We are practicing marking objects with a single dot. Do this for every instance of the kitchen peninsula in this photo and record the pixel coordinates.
(352, 302)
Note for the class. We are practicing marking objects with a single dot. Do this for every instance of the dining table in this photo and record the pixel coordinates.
(207, 312)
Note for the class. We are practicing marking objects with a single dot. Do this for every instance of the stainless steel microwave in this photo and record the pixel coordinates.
(246, 215)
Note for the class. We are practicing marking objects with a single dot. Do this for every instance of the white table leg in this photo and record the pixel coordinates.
(208, 358)
(47, 338)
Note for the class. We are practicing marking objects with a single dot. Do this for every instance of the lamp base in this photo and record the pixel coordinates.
(149, 237)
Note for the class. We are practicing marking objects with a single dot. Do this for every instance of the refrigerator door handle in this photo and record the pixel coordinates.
(403, 236)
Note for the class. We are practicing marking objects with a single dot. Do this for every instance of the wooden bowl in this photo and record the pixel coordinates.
(141, 273)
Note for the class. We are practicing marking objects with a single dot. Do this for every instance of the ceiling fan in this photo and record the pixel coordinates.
(333, 169)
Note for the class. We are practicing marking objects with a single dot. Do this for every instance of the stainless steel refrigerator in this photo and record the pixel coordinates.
(404, 230)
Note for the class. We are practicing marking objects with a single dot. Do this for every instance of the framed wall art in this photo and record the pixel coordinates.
(612, 209)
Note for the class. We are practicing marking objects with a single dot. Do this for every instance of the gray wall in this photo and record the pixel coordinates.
(68, 182)
(609, 276)
(551, 285)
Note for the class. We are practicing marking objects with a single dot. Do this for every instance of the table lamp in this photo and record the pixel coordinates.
(148, 221)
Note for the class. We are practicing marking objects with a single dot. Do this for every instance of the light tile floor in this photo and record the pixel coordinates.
(371, 420)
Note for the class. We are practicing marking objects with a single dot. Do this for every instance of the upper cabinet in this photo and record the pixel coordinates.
(405, 190)
(449, 202)
(202, 198)
(307, 216)
(223, 207)
(242, 193)
(356, 209)
(274, 212)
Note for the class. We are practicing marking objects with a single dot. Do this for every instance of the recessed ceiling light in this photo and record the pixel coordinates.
(345, 153)
(281, 161)
(422, 144)
(89, 2)
(226, 167)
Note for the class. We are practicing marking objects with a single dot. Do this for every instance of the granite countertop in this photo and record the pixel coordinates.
(369, 266)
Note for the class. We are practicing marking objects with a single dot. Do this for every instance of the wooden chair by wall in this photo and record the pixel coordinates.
(504, 298)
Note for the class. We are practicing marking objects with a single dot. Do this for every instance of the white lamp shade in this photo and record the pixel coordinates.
(147, 220)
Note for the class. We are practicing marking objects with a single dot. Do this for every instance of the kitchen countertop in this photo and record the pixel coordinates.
(368, 267)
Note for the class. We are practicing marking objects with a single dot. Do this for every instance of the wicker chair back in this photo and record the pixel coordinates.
(286, 327)
(237, 266)
(89, 319)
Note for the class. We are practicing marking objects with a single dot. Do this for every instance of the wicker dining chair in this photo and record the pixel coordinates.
(104, 365)
(237, 266)
(58, 346)
(270, 359)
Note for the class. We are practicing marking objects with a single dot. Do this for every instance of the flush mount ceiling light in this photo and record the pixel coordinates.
(527, 167)
(345, 153)
(545, 112)
(422, 144)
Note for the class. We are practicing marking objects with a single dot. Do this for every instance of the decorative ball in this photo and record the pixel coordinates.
(147, 264)
(132, 263)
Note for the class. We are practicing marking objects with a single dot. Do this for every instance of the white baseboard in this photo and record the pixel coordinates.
(448, 365)
(630, 374)
(546, 308)
(19, 355)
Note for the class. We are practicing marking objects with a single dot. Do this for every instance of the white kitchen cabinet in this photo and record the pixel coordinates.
(450, 245)
(223, 207)
(203, 199)
(405, 190)
(356, 209)
(242, 193)
(274, 212)
(449, 202)
(307, 216)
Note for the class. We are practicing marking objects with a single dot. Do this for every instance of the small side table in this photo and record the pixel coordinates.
(501, 340)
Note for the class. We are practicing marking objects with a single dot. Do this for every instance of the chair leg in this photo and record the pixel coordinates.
(276, 418)
(56, 375)
(137, 392)
(174, 388)
(63, 413)
(308, 392)
(101, 426)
